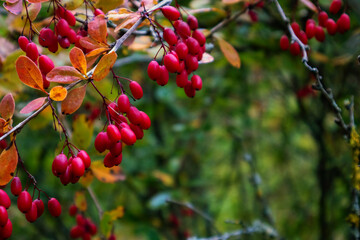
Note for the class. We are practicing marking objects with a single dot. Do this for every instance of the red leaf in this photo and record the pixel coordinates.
(73, 100)
(7, 106)
(29, 73)
(14, 8)
(64, 74)
(90, 43)
(33, 105)
(97, 29)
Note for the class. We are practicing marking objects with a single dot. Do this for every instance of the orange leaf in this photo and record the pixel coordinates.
(96, 52)
(64, 74)
(78, 60)
(33, 10)
(58, 93)
(33, 105)
(230, 53)
(97, 29)
(90, 43)
(8, 163)
(310, 5)
(128, 23)
(73, 100)
(118, 14)
(7, 106)
(107, 175)
(103, 67)
(29, 73)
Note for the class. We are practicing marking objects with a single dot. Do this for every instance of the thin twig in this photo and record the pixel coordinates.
(96, 201)
(225, 22)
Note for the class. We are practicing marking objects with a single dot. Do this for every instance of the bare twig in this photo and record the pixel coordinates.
(96, 201)
(225, 22)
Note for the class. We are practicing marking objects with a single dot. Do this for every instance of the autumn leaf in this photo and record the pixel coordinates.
(64, 74)
(230, 53)
(92, 56)
(58, 93)
(14, 8)
(310, 5)
(29, 73)
(107, 175)
(73, 100)
(107, 5)
(108, 218)
(33, 105)
(97, 29)
(33, 10)
(8, 163)
(80, 201)
(103, 67)
(78, 60)
(7, 106)
(87, 179)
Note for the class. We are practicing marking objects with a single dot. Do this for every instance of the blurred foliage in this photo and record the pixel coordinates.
(196, 149)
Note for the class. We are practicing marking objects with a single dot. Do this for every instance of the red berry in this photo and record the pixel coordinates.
(196, 82)
(335, 6)
(191, 63)
(189, 90)
(153, 70)
(113, 133)
(3, 216)
(60, 12)
(77, 231)
(64, 42)
(123, 103)
(117, 160)
(24, 201)
(331, 26)
(253, 16)
(16, 187)
(66, 177)
(163, 78)
(136, 90)
(192, 22)
(77, 167)
(4, 199)
(323, 17)
(6, 231)
(303, 38)
(134, 115)
(85, 158)
(182, 79)
(23, 42)
(320, 34)
(54, 207)
(40, 207)
(45, 37)
(73, 210)
(116, 149)
(60, 163)
(72, 36)
(32, 52)
(343, 23)
(102, 142)
(296, 28)
(128, 136)
(171, 63)
(31, 215)
(92, 229)
(45, 64)
(145, 121)
(62, 27)
(199, 36)
(70, 18)
(295, 48)
(98, 12)
(54, 46)
(310, 30)
(169, 36)
(109, 160)
(284, 42)
(183, 29)
(170, 13)
(137, 130)
(193, 46)
(182, 50)
(80, 220)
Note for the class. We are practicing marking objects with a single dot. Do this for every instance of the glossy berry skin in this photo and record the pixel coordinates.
(16, 187)
(60, 163)
(116, 149)
(134, 115)
(169, 36)
(70, 18)
(295, 49)
(331, 26)
(192, 22)
(73, 210)
(153, 70)
(284, 42)
(46, 37)
(32, 52)
(4, 199)
(171, 63)
(182, 50)
(128, 136)
(113, 133)
(335, 6)
(183, 29)
(24, 202)
(117, 160)
(320, 34)
(98, 12)
(196, 82)
(62, 27)
(60, 12)
(6, 231)
(189, 90)
(78, 167)
(191, 63)
(39, 207)
(163, 78)
(137, 131)
(54, 207)
(31, 215)
(170, 13)
(102, 142)
(85, 158)
(295, 27)
(3, 216)
(123, 103)
(323, 17)
(199, 36)
(310, 30)
(109, 160)
(145, 121)
(343, 23)
(182, 79)
(64, 42)
(45, 64)
(193, 46)
(303, 38)
(23, 42)
(66, 177)
(136, 90)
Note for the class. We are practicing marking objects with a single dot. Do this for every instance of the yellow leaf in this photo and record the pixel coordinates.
(58, 93)
(107, 5)
(107, 175)
(165, 178)
(78, 60)
(117, 213)
(230, 53)
(103, 67)
(80, 201)
(8, 163)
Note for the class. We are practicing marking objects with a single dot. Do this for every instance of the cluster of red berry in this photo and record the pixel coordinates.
(252, 14)
(311, 30)
(84, 228)
(70, 170)
(119, 130)
(32, 209)
(186, 48)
